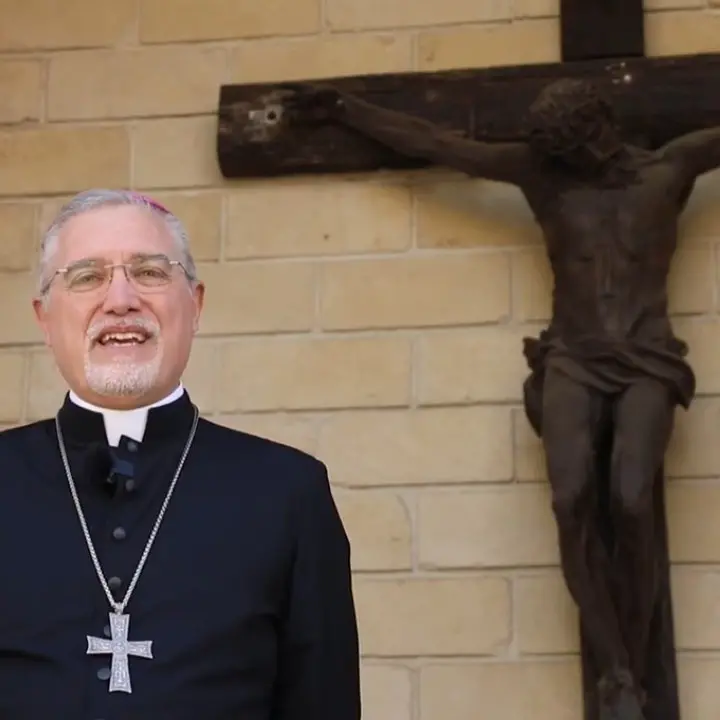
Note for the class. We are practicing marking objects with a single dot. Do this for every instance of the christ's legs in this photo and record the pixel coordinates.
(643, 424)
(570, 421)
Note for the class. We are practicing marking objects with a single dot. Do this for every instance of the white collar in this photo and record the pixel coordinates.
(130, 423)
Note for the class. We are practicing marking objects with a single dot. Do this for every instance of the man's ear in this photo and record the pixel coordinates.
(199, 297)
(40, 309)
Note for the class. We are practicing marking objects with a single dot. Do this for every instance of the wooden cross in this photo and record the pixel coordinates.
(655, 99)
(603, 40)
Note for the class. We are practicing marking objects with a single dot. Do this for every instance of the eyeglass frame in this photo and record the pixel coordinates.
(89, 262)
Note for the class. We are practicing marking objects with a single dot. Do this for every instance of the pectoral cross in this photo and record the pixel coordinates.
(121, 649)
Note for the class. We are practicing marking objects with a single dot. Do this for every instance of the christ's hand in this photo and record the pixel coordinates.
(311, 103)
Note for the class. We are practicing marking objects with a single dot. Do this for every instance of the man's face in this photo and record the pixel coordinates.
(122, 343)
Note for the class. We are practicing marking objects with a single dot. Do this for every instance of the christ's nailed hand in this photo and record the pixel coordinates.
(311, 103)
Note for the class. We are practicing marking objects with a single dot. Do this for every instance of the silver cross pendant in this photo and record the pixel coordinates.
(120, 648)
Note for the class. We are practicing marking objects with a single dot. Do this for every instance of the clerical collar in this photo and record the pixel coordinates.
(130, 423)
(86, 423)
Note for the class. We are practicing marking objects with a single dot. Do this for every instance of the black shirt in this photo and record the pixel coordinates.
(246, 594)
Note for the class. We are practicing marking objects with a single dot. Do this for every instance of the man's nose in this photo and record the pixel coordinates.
(121, 296)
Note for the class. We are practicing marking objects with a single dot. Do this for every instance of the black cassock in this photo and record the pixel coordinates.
(246, 594)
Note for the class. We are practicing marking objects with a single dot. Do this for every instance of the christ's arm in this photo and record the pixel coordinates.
(695, 153)
(503, 162)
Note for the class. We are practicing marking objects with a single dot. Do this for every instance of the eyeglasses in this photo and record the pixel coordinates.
(146, 273)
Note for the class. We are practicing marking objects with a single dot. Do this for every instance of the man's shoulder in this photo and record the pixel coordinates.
(27, 446)
(18, 435)
(248, 449)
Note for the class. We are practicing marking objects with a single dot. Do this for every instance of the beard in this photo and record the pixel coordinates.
(123, 378)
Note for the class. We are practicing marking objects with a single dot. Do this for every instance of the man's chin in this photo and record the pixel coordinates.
(123, 354)
(121, 378)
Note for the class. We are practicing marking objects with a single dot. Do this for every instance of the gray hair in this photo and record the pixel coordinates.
(98, 198)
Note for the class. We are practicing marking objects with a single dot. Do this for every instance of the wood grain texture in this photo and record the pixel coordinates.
(656, 100)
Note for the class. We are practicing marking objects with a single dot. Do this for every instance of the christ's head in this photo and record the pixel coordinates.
(118, 300)
(571, 120)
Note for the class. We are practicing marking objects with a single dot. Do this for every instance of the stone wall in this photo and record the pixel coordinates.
(375, 321)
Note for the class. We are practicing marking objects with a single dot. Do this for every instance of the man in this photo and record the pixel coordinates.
(608, 373)
(156, 566)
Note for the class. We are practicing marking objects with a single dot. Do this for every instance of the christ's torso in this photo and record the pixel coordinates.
(610, 249)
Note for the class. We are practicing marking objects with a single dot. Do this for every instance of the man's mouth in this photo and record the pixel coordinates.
(122, 339)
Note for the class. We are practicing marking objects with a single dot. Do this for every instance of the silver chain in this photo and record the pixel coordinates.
(119, 607)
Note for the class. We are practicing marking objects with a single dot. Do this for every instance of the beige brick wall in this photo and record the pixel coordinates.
(376, 322)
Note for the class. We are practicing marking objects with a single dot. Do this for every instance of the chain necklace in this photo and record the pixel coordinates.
(118, 646)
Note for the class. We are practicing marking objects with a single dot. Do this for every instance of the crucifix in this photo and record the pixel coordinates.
(605, 147)
(120, 648)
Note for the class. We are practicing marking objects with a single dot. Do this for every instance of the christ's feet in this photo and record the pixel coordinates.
(618, 697)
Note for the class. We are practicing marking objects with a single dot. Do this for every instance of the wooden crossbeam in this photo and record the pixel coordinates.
(656, 100)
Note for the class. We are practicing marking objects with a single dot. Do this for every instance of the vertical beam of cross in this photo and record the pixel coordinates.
(601, 29)
(615, 30)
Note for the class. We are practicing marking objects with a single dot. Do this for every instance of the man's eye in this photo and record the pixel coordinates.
(85, 277)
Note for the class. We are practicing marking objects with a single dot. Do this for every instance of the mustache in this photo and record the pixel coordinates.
(150, 327)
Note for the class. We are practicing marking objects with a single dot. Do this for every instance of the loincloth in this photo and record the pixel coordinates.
(606, 366)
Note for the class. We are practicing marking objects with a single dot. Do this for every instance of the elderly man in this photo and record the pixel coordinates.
(156, 566)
